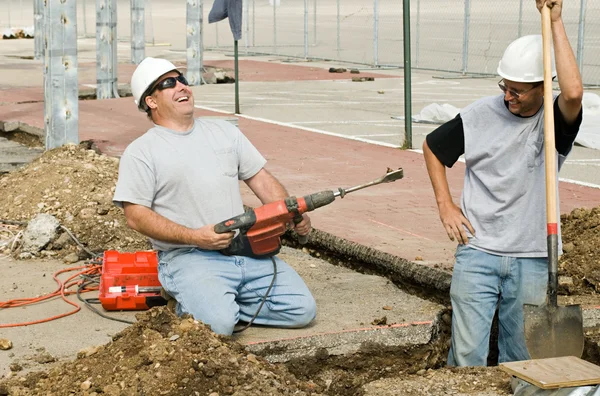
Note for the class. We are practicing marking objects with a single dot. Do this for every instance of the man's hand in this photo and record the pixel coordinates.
(304, 227)
(555, 8)
(453, 221)
(206, 238)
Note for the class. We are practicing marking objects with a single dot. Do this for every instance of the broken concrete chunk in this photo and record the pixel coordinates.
(5, 344)
(337, 70)
(354, 71)
(40, 232)
(361, 79)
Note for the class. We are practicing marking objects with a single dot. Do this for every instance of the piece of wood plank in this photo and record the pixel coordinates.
(554, 373)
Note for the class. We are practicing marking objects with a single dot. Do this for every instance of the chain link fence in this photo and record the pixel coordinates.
(462, 36)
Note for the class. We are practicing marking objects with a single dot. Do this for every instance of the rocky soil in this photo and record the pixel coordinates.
(581, 245)
(165, 355)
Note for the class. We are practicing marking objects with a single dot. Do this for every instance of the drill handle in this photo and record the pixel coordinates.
(302, 239)
(241, 222)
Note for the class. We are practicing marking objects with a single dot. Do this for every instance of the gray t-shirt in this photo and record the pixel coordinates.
(190, 178)
(504, 194)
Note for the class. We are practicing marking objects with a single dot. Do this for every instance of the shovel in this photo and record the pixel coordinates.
(550, 330)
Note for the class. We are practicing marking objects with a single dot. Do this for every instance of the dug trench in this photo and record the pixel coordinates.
(163, 354)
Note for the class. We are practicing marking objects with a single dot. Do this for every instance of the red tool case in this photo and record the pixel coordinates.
(129, 281)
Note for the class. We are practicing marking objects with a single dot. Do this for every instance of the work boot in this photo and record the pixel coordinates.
(171, 302)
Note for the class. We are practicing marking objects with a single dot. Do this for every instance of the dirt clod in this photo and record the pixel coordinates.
(145, 359)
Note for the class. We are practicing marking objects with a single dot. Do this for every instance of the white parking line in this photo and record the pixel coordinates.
(285, 124)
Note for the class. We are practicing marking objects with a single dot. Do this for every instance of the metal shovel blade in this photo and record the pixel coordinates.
(553, 331)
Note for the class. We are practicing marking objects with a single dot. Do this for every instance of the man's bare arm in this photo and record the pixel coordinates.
(268, 189)
(569, 78)
(450, 214)
(153, 225)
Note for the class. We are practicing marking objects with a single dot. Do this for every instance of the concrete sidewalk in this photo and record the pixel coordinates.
(400, 218)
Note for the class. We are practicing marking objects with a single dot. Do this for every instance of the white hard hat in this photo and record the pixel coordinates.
(147, 72)
(523, 60)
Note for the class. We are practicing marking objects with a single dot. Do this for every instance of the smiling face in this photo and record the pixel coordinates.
(171, 103)
(528, 99)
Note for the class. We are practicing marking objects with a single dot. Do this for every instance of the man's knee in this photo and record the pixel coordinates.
(305, 313)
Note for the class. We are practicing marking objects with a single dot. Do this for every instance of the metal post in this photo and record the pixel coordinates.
(253, 23)
(150, 21)
(581, 36)
(61, 90)
(274, 26)
(217, 34)
(418, 38)
(520, 28)
(84, 19)
(106, 49)
(194, 51)
(466, 35)
(247, 24)
(338, 29)
(407, 76)
(305, 29)
(237, 77)
(9, 26)
(38, 29)
(315, 22)
(375, 32)
(138, 41)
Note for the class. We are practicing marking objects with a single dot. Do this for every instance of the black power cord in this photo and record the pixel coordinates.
(264, 299)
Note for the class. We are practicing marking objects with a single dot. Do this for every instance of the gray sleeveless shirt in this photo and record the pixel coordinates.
(504, 194)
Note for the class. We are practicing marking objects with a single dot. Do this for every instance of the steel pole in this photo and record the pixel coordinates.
(247, 25)
(467, 21)
(339, 44)
(38, 26)
(237, 77)
(315, 22)
(194, 53)
(581, 36)
(138, 41)
(407, 76)
(418, 38)
(84, 18)
(274, 26)
(375, 32)
(305, 29)
(520, 28)
(106, 49)
(61, 89)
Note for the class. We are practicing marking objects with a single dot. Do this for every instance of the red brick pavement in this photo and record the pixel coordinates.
(399, 218)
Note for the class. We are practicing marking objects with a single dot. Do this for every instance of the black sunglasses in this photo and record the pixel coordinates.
(514, 93)
(170, 82)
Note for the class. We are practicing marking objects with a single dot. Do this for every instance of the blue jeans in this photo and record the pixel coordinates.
(482, 282)
(220, 290)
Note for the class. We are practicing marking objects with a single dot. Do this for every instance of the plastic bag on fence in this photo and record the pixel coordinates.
(436, 114)
(589, 131)
(277, 2)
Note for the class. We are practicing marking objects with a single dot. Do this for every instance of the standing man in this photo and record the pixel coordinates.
(501, 260)
(181, 178)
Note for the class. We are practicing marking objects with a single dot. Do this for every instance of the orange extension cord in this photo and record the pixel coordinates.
(62, 291)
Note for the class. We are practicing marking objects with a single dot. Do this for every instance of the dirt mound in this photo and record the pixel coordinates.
(75, 185)
(581, 245)
(163, 355)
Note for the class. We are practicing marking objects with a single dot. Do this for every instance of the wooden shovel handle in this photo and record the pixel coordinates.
(550, 153)
(549, 144)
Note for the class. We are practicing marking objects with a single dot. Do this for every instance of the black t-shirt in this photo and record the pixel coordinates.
(447, 142)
